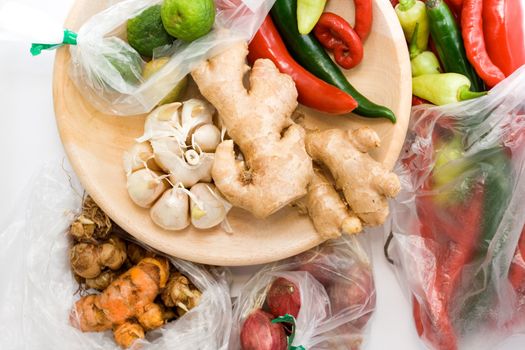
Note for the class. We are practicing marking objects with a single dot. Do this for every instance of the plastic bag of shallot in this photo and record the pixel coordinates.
(71, 279)
(458, 238)
(321, 299)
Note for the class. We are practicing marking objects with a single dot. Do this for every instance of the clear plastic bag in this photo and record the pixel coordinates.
(336, 288)
(101, 52)
(457, 223)
(38, 289)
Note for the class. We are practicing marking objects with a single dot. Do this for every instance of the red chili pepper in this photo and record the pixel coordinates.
(456, 7)
(363, 18)
(336, 34)
(313, 92)
(472, 31)
(416, 101)
(504, 30)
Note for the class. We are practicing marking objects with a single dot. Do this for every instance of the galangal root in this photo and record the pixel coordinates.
(92, 224)
(365, 183)
(88, 260)
(130, 297)
(180, 293)
(276, 168)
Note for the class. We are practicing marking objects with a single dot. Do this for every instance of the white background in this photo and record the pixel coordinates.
(29, 138)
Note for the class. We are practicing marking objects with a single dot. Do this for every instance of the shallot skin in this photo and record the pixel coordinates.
(284, 298)
(259, 333)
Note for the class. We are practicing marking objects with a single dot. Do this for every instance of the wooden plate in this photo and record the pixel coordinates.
(94, 143)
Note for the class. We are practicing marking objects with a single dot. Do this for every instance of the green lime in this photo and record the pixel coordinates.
(127, 62)
(176, 93)
(188, 20)
(146, 31)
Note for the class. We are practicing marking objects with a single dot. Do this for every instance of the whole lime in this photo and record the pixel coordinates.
(178, 90)
(188, 20)
(127, 62)
(146, 31)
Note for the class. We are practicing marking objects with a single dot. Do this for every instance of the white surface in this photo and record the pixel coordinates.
(29, 138)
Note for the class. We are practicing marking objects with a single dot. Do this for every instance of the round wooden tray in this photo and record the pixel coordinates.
(95, 142)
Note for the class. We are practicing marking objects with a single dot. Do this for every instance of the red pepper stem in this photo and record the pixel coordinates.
(464, 93)
(414, 50)
(405, 5)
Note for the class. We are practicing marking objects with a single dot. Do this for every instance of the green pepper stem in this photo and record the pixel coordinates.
(405, 5)
(464, 93)
(414, 50)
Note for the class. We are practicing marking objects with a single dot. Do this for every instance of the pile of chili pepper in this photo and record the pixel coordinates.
(481, 40)
(295, 37)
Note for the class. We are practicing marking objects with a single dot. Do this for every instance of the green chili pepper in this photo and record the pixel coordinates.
(410, 13)
(442, 89)
(422, 62)
(495, 166)
(449, 43)
(308, 14)
(312, 56)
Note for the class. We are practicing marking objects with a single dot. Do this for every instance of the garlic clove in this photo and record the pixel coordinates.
(171, 212)
(207, 137)
(208, 207)
(145, 186)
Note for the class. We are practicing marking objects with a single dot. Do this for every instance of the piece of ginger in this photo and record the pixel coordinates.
(276, 168)
(330, 215)
(365, 183)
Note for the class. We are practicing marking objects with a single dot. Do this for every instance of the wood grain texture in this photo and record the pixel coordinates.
(95, 142)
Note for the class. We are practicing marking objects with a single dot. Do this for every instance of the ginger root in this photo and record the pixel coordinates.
(276, 168)
(127, 298)
(329, 213)
(365, 183)
(89, 259)
(92, 224)
(180, 293)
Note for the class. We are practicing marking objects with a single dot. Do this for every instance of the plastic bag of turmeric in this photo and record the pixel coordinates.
(39, 290)
(321, 299)
(458, 238)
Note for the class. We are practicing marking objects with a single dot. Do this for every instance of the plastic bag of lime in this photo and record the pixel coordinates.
(134, 55)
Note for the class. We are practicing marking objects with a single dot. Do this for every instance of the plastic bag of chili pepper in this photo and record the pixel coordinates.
(457, 240)
(321, 299)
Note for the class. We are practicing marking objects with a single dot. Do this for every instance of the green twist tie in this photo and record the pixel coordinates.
(70, 38)
(289, 319)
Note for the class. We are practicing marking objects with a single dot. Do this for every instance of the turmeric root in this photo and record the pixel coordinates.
(128, 333)
(365, 183)
(89, 259)
(154, 316)
(127, 298)
(276, 168)
(92, 224)
(181, 293)
(328, 212)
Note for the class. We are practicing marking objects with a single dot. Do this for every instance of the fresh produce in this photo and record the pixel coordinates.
(146, 32)
(284, 297)
(259, 333)
(422, 62)
(140, 156)
(308, 13)
(311, 55)
(328, 211)
(276, 169)
(336, 35)
(126, 298)
(313, 92)
(180, 293)
(188, 20)
(504, 33)
(89, 259)
(449, 44)
(176, 93)
(472, 31)
(208, 207)
(363, 18)
(126, 64)
(92, 224)
(145, 186)
(171, 211)
(445, 88)
(365, 183)
(103, 280)
(411, 13)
